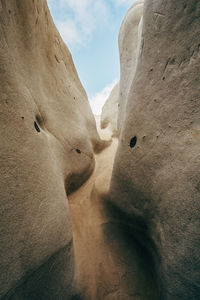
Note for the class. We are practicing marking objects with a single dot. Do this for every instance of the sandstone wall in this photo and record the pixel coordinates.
(48, 135)
(156, 177)
(129, 40)
(109, 113)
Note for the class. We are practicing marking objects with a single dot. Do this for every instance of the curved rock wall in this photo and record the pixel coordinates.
(129, 41)
(48, 135)
(156, 173)
(109, 113)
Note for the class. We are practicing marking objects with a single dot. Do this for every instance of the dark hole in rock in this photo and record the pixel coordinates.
(133, 142)
(163, 78)
(74, 98)
(39, 120)
(56, 58)
(72, 187)
(36, 127)
(22, 118)
(78, 151)
(151, 70)
(9, 11)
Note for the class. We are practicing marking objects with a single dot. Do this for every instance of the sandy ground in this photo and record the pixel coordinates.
(86, 214)
(106, 267)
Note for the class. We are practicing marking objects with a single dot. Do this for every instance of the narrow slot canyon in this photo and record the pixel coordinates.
(110, 263)
(99, 206)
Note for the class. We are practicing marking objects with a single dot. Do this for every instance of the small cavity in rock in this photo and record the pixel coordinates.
(78, 151)
(39, 120)
(36, 127)
(133, 142)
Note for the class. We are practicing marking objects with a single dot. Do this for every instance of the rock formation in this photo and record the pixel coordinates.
(48, 135)
(156, 178)
(109, 113)
(136, 237)
(128, 49)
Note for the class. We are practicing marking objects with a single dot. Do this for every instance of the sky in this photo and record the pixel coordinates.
(90, 29)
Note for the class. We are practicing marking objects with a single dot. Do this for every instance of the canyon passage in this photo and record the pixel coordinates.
(100, 207)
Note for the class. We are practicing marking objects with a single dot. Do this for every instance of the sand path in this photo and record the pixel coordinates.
(106, 267)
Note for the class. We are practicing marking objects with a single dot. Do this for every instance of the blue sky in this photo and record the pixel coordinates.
(90, 30)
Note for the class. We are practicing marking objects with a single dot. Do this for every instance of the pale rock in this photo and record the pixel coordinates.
(129, 42)
(156, 178)
(48, 135)
(109, 113)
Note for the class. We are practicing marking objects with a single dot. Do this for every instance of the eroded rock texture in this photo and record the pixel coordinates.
(109, 113)
(48, 135)
(156, 175)
(129, 40)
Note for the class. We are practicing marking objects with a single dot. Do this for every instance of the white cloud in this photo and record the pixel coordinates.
(69, 32)
(123, 2)
(77, 20)
(98, 100)
(80, 18)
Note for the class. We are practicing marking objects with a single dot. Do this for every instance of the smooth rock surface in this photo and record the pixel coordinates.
(156, 177)
(129, 41)
(109, 114)
(48, 135)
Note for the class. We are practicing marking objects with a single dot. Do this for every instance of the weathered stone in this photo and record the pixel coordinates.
(48, 134)
(156, 175)
(129, 40)
(109, 113)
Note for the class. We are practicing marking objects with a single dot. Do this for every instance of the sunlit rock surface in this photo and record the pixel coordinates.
(48, 135)
(114, 109)
(156, 175)
(109, 113)
(129, 41)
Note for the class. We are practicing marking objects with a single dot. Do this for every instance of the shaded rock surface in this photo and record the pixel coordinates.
(48, 136)
(109, 114)
(156, 174)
